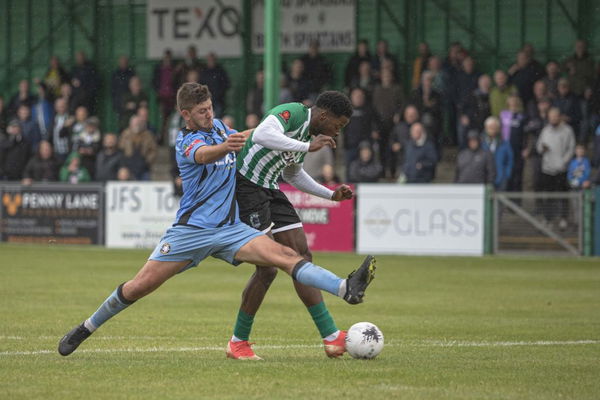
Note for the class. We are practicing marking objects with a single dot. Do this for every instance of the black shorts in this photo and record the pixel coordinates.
(260, 207)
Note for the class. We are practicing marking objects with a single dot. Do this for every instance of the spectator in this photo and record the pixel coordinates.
(61, 132)
(42, 112)
(499, 93)
(66, 92)
(361, 55)
(55, 77)
(580, 68)
(87, 143)
(254, 100)
(299, 85)
(534, 64)
(568, 104)
(551, 79)
(503, 154)
(556, 144)
(191, 62)
(133, 99)
(420, 157)
(78, 125)
(73, 172)
(401, 136)
(579, 170)
(382, 55)
(315, 161)
(124, 174)
(513, 123)
(285, 94)
(439, 77)
(589, 116)
(365, 168)
(29, 129)
(43, 167)
(163, 82)
(139, 149)
(86, 82)
(420, 64)
(361, 127)
(120, 84)
(316, 69)
(387, 99)
(229, 121)
(452, 67)
(532, 130)
(540, 93)
(252, 121)
(22, 97)
(328, 176)
(473, 164)
(596, 159)
(109, 159)
(14, 152)
(475, 110)
(523, 74)
(428, 102)
(144, 115)
(467, 82)
(215, 77)
(365, 79)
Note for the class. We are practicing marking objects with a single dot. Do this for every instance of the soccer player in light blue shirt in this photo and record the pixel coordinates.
(208, 224)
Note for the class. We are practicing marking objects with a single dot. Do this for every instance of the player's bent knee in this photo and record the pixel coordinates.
(266, 274)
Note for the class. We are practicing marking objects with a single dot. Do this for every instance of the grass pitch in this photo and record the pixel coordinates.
(455, 328)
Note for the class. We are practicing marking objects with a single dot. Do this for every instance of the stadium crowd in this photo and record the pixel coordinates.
(532, 120)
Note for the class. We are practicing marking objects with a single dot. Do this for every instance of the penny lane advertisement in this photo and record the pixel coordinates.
(52, 214)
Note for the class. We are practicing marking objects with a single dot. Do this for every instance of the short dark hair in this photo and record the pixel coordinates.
(191, 94)
(335, 102)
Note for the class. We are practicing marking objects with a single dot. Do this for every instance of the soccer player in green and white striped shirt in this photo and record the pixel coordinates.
(277, 147)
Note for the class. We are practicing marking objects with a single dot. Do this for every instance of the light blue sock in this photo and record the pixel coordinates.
(114, 304)
(310, 274)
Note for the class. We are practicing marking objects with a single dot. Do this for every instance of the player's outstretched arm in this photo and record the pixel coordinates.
(208, 154)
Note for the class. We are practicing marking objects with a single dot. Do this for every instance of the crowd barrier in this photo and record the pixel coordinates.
(384, 219)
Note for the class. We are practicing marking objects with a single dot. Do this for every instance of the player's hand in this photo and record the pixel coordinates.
(342, 193)
(235, 142)
(321, 141)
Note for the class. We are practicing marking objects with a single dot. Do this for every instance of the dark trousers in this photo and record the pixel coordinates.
(553, 208)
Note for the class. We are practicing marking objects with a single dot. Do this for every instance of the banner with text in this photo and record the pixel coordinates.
(421, 219)
(138, 213)
(332, 23)
(50, 213)
(329, 225)
(209, 25)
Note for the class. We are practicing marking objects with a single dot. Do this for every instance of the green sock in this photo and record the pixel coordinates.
(243, 325)
(323, 320)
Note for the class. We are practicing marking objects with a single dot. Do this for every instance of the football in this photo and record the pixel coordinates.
(364, 340)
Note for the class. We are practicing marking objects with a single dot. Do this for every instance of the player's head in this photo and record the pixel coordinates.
(195, 106)
(331, 114)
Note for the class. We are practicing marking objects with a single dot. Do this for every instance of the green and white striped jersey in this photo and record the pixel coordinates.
(263, 166)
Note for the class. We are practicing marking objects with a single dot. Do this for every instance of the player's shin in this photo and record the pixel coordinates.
(114, 304)
(310, 274)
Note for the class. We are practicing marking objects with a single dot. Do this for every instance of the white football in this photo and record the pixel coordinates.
(364, 340)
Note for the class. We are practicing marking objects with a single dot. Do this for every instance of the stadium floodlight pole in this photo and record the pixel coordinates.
(272, 58)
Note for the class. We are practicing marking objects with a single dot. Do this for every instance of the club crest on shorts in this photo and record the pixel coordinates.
(165, 248)
(285, 115)
(254, 220)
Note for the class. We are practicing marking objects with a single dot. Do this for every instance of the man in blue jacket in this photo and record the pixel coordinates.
(503, 154)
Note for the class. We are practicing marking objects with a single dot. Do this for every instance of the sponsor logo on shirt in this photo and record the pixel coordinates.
(285, 115)
(188, 148)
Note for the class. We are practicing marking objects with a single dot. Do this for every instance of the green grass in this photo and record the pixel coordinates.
(455, 328)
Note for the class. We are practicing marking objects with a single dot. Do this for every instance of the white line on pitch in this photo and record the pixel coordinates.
(304, 346)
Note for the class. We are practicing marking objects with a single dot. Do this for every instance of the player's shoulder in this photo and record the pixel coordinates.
(290, 114)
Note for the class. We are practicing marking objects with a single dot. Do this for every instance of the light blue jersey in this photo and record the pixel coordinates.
(208, 189)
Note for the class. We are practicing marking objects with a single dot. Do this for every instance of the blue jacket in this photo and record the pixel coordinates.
(504, 157)
(579, 171)
(426, 156)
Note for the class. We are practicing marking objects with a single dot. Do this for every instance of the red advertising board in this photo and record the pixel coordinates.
(329, 225)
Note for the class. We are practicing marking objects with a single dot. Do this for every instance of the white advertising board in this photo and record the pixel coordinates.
(332, 23)
(138, 213)
(210, 25)
(215, 26)
(420, 219)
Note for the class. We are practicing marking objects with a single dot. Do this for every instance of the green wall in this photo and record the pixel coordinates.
(32, 30)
